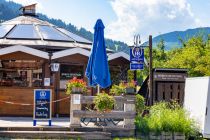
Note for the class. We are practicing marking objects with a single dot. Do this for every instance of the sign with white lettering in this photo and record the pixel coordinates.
(136, 66)
(42, 104)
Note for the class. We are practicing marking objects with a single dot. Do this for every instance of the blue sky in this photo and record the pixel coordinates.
(125, 18)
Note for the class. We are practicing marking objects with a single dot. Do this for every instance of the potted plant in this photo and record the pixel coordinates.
(139, 104)
(76, 86)
(130, 87)
(118, 89)
(104, 102)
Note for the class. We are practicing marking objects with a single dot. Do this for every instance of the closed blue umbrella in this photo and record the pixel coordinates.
(97, 70)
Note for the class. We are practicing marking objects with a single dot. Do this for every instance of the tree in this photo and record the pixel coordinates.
(194, 56)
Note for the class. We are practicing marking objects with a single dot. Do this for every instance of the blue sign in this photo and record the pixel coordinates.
(136, 66)
(42, 105)
(137, 55)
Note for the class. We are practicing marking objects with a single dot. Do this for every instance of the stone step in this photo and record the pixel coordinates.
(45, 128)
(114, 131)
(55, 135)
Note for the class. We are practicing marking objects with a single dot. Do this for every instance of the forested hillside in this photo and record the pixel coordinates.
(9, 10)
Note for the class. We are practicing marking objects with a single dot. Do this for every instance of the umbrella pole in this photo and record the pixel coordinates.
(98, 89)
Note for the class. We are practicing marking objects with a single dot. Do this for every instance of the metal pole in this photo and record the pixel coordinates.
(135, 78)
(150, 72)
(98, 89)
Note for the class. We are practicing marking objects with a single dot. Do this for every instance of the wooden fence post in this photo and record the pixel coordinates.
(75, 102)
(129, 106)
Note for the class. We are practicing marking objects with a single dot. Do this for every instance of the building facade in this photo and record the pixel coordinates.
(28, 48)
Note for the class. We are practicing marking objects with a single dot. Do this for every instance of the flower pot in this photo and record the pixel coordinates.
(154, 136)
(178, 136)
(167, 135)
(142, 136)
(77, 90)
(130, 91)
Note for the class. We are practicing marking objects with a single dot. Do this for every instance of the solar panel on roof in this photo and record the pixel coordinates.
(23, 31)
(4, 29)
(74, 36)
(50, 33)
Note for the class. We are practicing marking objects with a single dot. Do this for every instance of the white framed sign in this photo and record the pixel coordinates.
(46, 81)
(76, 99)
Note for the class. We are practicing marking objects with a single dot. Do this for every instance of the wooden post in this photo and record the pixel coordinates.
(150, 72)
(56, 80)
(74, 121)
(129, 123)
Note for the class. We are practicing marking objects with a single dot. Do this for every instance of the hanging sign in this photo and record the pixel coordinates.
(136, 66)
(42, 105)
(137, 58)
(137, 55)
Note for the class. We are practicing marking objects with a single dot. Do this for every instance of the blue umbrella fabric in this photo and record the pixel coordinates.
(97, 70)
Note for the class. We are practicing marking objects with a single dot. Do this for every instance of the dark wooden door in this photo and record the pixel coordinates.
(167, 91)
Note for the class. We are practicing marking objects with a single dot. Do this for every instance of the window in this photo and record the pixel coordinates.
(74, 36)
(69, 71)
(26, 31)
(18, 76)
(4, 29)
(35, 75)
(40, 75)
(50, 33)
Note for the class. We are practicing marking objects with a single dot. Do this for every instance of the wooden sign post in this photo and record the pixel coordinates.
(42, 105)
(150, 72)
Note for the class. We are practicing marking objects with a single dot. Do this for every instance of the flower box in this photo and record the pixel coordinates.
(142, 136)
(130, 91)
(154, 136)
(76, 90)
(76, 86)
(167, 135)
(178, 136)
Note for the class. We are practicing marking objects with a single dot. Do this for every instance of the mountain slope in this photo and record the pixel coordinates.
(172, 39)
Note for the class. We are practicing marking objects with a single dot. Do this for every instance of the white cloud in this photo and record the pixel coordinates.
(149, 17)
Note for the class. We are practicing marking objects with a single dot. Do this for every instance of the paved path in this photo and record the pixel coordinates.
(28, 122)
(56, 122)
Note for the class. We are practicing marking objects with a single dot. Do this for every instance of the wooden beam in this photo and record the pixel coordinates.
(96, 114)
(89, 99)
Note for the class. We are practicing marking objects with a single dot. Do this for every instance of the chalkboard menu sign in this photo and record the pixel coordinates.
(42, 105)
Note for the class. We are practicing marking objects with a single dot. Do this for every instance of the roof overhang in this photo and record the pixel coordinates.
(69, 52)
(25, 49)
(118, 55)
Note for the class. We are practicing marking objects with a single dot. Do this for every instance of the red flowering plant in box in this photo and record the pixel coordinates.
(123, 87)
(130, 87)
(76, 86)
(131, 84)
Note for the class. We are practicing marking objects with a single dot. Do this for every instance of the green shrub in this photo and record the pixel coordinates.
(142, 124)
(103, 102)
(117, 89)
(169, 117)
(140, 104)
(130, 75)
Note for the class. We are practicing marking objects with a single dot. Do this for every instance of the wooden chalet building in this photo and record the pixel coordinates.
(28, 47)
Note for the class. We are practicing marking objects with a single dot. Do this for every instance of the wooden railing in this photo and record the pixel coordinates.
(128, 114)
